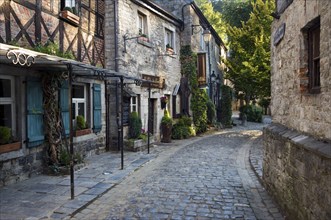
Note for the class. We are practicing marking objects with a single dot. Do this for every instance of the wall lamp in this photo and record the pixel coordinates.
(125, 38)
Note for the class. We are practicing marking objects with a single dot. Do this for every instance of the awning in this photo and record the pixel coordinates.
(176, 90)
(17, 56)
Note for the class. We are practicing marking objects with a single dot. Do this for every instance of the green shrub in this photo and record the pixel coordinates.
(64, 159)
(226, 106)
(211, 112)
(135, 125)
(183, 128)
(5, 135)
(80, 122)
(253, 113)
(166, 119)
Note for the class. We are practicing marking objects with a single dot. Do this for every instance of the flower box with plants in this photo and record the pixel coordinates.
(69, 14)
(137, 136)
(166, 127)
(81, 126)
(7, 142)
(169, 49)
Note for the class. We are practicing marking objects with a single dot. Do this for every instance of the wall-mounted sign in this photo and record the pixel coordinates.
(279, 34)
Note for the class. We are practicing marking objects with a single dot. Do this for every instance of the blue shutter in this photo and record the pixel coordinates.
(96, 107)
(64, 105)
(35, 122)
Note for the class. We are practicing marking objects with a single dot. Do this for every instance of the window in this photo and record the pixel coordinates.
(134, 105)
(78, 101)
(169, 38)
(68, 3)
(7, 103)
(201, 69)
(314, 57)
(142, 24)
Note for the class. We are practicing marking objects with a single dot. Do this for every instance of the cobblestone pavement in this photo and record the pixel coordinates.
(207, 179)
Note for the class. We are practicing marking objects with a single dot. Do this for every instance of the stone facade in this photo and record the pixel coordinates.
(297, 172)
(26, 24)
(140, 58)
(291, 105)
(296, 168)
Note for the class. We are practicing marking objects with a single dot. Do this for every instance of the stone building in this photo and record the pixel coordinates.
(32, 84)
(121, 61)
(138, 34)
(298, 144)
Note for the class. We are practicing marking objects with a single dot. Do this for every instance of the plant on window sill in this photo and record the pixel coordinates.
(69, 14)
(81, 126)
(169, 49)
(7, 142)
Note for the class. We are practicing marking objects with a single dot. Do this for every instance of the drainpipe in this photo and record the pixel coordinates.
(115, 32)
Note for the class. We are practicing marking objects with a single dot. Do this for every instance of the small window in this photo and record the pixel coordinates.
(142, 24)
(78, 101)
(68, 3)
(314, 58)
(134, 105)
(202, 69)
(7, 103)
(169, 38)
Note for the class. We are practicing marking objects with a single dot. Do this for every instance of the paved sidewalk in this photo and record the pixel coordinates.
(44, 197)
(48, 197)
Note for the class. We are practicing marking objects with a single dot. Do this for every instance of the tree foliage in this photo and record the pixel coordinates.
(198, 96)
(249, 62)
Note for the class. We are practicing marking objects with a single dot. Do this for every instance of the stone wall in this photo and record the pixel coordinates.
(291, 104)
(140, 58)
(297, 172)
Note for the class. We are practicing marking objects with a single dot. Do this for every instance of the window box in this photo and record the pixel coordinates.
(70, 17)
(10, 147)
(137, 145)
(170, 50)
(83, 132)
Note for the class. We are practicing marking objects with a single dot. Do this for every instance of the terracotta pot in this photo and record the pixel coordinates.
(166, 133)
(83, 132)
(10, 147)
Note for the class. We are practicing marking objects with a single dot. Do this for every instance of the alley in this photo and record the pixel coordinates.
(210, 178)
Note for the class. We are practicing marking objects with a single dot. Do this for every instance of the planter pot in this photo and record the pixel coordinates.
(69, 16)
(170, 50)
(83, 132)
(166, 133)
(10, 147)
(137, 145)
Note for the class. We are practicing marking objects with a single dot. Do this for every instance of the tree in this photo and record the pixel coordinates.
(249, 62)
(234, 12)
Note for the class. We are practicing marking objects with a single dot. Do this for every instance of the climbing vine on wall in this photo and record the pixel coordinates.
(199, 96)
(53, 125)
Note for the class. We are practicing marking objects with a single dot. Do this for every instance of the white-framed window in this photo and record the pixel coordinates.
(134, 104)
(79, 101)
(142, 24)
(70, 3)
(203, 46)
(7, 103)
(169, 38)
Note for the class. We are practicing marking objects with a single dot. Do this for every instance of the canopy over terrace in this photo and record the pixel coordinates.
(24, 58)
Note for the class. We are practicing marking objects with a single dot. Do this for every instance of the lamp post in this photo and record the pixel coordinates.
(206, 37)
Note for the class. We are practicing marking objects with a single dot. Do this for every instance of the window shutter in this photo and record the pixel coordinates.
(35, 122)
(64, 105)
(202, 69)
(96, 108)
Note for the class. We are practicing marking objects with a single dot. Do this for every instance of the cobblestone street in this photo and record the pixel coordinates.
(207, 179)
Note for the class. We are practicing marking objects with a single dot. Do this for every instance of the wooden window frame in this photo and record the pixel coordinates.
(313, 34)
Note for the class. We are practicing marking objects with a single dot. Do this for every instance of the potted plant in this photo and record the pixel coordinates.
(164, 101)
(6, 140)
(166, 127)
(69, 14)
(169, 49)
(81, 126)
(135, 125)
